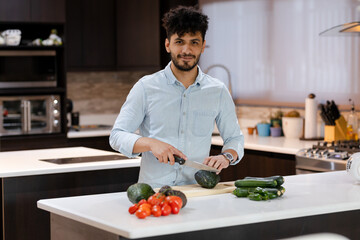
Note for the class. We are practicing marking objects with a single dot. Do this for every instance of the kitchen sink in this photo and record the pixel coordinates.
(84, 159)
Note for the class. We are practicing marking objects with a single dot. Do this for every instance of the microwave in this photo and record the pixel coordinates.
(28, 68)
(22, 115)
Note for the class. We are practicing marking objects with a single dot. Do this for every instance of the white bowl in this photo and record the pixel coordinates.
(293, 126)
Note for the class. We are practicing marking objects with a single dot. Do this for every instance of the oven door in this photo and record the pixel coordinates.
(313, 165)
(29, 115)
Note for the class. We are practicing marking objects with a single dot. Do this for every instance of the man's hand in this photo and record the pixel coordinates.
(164, 152)
(219, 162)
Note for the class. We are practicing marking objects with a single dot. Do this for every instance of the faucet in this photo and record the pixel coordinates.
(227, 71)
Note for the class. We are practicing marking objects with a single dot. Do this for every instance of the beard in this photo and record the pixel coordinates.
(186, 65)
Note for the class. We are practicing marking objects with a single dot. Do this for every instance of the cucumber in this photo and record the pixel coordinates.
(258, 182)
(279, 179)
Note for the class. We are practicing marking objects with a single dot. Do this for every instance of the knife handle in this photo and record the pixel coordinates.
(179, 160)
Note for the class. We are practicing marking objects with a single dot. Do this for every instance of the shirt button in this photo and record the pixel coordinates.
(184, 95)
(182, 131)
(184, 113)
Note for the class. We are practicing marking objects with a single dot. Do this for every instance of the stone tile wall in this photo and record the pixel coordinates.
(100, 92)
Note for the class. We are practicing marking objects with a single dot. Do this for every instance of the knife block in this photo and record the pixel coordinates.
(337, 132)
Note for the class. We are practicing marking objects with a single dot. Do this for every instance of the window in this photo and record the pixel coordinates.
(275, 54)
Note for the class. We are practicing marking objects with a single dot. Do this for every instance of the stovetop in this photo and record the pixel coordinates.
(326, 156)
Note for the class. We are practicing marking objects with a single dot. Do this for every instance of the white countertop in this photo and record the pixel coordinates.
(306, 195)
(270, 144)
(25, 163)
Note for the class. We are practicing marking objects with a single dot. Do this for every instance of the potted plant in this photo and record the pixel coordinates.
(263, 128)
(293, 124)
(276, 124)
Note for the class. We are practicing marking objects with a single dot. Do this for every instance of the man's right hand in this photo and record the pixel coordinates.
(164, 152)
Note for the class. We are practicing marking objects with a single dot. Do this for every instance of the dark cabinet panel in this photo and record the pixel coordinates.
(32, 11)
(258, 164)
(14, 10)
(21, 219)
(48, 11)
(138, 34)
(91, 34)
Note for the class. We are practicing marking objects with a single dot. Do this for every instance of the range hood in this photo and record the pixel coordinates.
(346, 29)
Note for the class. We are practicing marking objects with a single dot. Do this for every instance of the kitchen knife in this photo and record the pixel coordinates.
(193, 164)
(335, 109)
(324, 115)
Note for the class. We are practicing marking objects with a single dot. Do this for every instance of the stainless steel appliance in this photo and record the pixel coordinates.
(30, 115)
(28, 68)
(325, 156)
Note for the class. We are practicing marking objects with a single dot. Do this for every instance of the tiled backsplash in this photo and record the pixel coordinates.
(100, 92)
(105, 92)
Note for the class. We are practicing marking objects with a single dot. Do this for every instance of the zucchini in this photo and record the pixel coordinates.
(258, 182)
(255, 197)
(279, 179)
(282, 190)
(241, 192)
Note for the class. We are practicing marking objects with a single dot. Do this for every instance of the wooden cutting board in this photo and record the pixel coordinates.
(195, 190)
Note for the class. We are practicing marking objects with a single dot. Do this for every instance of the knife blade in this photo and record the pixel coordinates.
(193, 164)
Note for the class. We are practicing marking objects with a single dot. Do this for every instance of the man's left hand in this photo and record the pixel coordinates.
(219, 162)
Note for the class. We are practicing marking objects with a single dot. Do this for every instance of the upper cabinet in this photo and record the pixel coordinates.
(138, 34)
(112, 35)
(47, 11)
(91, 35)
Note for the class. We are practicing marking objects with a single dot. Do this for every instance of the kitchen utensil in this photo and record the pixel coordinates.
(193, 164)
(334, 109)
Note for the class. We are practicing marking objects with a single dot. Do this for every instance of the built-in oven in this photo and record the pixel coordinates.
(30, 115)
(28, 68)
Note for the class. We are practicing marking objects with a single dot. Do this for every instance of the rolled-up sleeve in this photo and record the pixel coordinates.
(228, 125)
(122, 136)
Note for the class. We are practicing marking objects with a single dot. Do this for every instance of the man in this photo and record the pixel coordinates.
(175, 110)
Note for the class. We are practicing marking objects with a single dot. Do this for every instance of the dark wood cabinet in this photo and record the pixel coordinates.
(21, 219)
(113, 35)
(258, 164)
(91, 34)
(15, 10)
(49, 11)
(138, 34)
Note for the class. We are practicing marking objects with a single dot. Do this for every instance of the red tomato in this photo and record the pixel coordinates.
(156, 210)
(142, 201)
(146, 207)
(174, 207)
(165, 210)
(133, 208)
(162, 203)
(176, 199)
(156, 199)
(141, 214)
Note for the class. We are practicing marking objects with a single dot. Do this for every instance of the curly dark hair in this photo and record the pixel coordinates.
(183, 19)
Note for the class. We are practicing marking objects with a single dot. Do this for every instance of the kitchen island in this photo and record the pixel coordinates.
(26, 177)
(322, 202)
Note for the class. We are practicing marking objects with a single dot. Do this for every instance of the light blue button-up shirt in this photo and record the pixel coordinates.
(160, 107)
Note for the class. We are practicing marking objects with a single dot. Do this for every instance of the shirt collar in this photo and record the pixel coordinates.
(172, 79)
